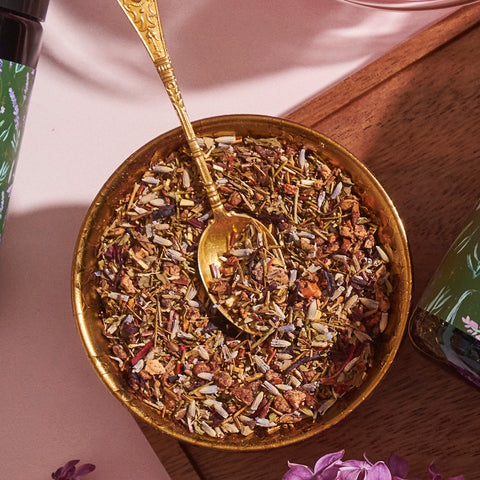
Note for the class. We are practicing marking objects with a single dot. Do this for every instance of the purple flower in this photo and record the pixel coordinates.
(331, 467)
(432, 470)
(472, 327)
(326, 468)
(398, 466)
(364, 470)
(70, 472)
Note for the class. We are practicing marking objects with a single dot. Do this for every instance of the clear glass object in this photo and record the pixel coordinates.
(20, 41)
(411, 4)
(446, 321)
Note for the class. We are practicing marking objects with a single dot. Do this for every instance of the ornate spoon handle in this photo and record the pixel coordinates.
(144, 16)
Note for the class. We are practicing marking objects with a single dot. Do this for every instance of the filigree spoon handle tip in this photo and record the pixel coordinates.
(145, 18)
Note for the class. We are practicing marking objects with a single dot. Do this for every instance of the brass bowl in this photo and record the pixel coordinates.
(86, 304)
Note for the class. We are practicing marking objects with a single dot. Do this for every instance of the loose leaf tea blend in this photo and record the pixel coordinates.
(317, 313)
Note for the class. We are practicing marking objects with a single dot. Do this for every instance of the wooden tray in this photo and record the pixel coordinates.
(413, 118)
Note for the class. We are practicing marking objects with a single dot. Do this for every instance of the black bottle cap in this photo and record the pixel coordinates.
(33, 8)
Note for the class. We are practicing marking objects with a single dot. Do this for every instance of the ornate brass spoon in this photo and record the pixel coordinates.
(144, 16)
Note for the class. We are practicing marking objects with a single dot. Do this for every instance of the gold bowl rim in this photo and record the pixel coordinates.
(256, 125)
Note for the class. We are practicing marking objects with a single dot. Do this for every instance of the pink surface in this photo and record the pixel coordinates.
(96, 100)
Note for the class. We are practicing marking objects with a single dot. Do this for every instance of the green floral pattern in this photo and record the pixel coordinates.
(16, 82)
(454, 292)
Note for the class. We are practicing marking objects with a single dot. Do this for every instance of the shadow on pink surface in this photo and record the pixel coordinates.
(226, 41)
(54, 408)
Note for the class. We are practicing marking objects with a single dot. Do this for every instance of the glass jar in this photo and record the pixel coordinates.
(20, 41)
(446, 322)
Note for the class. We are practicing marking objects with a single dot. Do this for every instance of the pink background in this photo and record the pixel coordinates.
(96, 100)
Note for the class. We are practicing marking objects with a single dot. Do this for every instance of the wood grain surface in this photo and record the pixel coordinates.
(413, 118)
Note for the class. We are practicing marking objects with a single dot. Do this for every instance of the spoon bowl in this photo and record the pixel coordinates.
(215, 242)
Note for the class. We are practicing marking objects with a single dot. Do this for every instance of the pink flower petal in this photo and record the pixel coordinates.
(84, 469)
(298, 472)
(379, 471)
(327, 460)
(398, 466)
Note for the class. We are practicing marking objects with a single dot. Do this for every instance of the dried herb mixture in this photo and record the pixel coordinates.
(322, 311)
